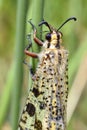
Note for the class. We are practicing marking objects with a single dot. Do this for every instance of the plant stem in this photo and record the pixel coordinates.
(37, 16)
(18, 61)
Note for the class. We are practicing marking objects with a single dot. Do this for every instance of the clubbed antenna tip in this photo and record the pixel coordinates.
(71, 18)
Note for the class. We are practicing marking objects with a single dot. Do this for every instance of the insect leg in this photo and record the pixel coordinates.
(30, 68)
(32, 54)
(38, 41)
(26, 49)
(30, 42)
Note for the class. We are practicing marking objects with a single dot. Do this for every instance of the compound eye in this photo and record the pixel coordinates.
(48, 36)
(59, 35)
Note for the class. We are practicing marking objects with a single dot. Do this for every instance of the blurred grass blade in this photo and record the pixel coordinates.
(5, 99)
(18, 61)
(77, 58)
(77, 88)
(37, 16)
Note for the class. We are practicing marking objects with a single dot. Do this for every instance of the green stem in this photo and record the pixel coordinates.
(37, 16)
(18, 61)
(38, 7)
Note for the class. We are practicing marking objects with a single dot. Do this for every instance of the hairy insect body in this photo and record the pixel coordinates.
(46, 104)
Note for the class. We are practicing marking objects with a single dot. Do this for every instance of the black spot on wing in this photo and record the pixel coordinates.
(36, 92)
(38, 125)
(30, 109)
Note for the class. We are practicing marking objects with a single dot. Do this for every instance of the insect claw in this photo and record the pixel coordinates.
(33, 27)
(30, 68)
(25, 62)
(29, 40)
(28, 46)
(28, 36)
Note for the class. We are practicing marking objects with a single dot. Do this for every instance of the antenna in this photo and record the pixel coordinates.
(44, 22)
(72, 18)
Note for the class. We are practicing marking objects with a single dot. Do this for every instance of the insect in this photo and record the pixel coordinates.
(45, 107)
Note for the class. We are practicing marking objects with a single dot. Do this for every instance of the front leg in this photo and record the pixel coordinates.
(38, 41)
(34, 55)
